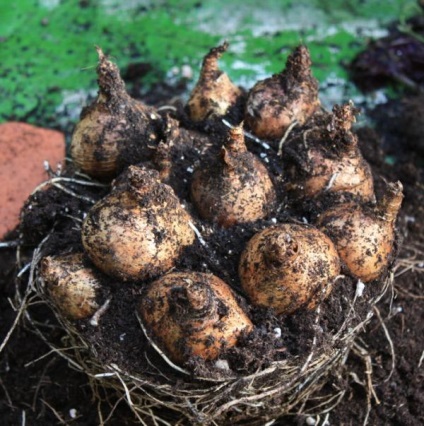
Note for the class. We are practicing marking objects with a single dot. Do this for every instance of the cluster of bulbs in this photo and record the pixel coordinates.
(139, 230)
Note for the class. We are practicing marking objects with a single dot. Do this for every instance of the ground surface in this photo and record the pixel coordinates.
(40, 388)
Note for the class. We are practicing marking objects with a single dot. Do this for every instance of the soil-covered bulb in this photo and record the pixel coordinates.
(276, 102)
(326, 158)
(74, 286)
(115, 130)
(288, 266)
(193, 314)
(138, 231)
(236, 188)
(364, 235)
(214, 93)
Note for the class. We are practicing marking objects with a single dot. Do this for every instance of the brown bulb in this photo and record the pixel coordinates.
(236, 188)
(363, 236)
(115, 130)
(288, 266)
(276, 102)
(73, 285)
(214, 92)
(327, 159)
(193, 314)
(138, 231)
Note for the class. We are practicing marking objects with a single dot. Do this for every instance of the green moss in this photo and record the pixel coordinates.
(48, 45)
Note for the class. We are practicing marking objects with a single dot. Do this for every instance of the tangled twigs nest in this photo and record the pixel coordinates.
(285, 387)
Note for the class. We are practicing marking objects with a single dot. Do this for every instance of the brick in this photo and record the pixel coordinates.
(23, 150)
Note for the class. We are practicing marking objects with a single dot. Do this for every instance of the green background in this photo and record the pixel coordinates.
(48, 58)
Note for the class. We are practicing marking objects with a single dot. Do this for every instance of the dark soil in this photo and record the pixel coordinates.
(43, 389)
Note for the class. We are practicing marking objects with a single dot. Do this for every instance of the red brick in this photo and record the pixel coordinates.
(23, 150)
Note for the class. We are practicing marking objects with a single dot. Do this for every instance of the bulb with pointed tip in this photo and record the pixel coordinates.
(326, 158)
(276, 102)
(288, 266)
(115, 130)
(193, 314)
(214, 93)
(72, 284)
(236, 188)
(139, 230)
(364, 236)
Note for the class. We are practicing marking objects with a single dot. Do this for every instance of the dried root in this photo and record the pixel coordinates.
(290, 386)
